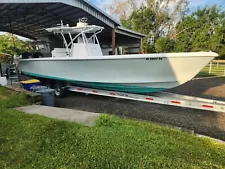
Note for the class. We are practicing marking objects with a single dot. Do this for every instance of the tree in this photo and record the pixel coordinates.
(154, 18)
(168, 13)
(164, 45)
(121, 8)
(144, 20)
(203, 30)
(11, 44)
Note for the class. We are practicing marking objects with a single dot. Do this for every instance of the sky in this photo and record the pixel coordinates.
(194, 4)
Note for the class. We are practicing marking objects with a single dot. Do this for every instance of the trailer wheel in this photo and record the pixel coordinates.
(59, 90)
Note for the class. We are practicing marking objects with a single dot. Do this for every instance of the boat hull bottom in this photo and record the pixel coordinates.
(103, 86)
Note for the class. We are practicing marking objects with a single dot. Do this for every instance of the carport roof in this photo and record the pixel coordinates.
(30, 18)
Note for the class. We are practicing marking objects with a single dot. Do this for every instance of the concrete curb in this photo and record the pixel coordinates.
(81, 117)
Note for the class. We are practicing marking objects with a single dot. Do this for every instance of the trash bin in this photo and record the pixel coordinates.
(47, 97)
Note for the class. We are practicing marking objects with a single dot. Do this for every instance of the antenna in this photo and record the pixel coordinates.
(60, 24)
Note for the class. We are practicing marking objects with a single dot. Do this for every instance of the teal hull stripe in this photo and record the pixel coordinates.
(104, 86)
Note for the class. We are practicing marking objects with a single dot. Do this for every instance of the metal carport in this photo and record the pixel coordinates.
(29, 18)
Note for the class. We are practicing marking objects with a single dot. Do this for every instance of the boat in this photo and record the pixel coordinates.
(82, 63)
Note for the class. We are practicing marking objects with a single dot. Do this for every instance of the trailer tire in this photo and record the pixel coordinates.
(59, 90)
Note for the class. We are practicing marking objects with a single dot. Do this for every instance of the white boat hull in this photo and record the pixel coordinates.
(156, 71)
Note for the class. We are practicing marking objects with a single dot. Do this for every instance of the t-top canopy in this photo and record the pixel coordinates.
(75, 29)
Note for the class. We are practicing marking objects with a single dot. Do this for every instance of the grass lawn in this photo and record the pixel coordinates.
(10, 99)
(216, 71)
(31, 141)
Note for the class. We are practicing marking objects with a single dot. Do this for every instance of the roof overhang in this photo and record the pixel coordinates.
(30, 18)
(127, 32)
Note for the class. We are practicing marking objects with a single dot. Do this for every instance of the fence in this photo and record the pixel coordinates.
(214, 68)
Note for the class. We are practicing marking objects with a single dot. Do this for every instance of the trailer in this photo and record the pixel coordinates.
(163, 98)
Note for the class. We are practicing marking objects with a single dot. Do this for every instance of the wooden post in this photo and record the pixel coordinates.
(113, 41)
(210, 68)
(224, 70)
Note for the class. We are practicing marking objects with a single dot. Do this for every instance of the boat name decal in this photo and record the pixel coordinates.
(158, 58)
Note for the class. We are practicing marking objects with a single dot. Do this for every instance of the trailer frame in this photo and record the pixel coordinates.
(162, 98)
